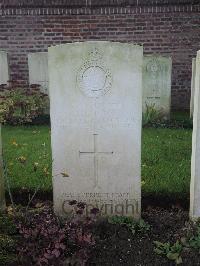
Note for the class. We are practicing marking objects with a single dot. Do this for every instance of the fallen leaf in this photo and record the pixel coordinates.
(64, 174)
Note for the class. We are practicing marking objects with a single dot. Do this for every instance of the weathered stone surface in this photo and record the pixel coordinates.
(195, 165)
(4, 71)
(192, 86)
(157, 83)
(96, 113)
(38, 70)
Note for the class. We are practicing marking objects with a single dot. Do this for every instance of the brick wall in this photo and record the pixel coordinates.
(166, 27)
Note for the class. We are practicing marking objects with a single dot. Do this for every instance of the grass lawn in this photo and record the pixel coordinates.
(166, 157)
(27, 153)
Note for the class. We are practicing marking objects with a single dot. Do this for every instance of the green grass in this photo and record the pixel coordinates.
(166, 157)
(32, 143)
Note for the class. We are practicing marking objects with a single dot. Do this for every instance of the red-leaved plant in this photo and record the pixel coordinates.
(46, 240)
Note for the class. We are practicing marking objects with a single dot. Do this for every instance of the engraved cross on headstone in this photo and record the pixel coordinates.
(96, 154)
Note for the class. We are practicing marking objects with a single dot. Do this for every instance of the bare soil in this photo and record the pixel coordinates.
(118, 246)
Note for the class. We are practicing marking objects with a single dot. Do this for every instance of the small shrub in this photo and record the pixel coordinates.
(151, 115)
(8, 241)
(21, 105)
(194, 241)
(7, 250)
(7, 225)
(48, 241)
(134, 226)
(181, 120)
(172, 252)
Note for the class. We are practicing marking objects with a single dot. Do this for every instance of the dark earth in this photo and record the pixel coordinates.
(116, 245)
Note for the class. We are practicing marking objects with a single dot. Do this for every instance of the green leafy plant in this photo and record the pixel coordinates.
(8, 240)
(134, 226)
(7, 225)
(142, 226)
(21, 105)
(7, 250)
(151, 115)
(194, 241)
(172, 252)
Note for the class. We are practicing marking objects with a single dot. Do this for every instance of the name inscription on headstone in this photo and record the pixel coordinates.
(107, 203)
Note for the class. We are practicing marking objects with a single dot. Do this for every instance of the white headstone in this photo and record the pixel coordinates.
(38, 70)
(157, 83)
(4, 71)
(195, 165)
(96, 113)
(192, 86)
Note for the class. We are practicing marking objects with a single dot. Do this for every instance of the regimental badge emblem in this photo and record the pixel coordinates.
(94, 79)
